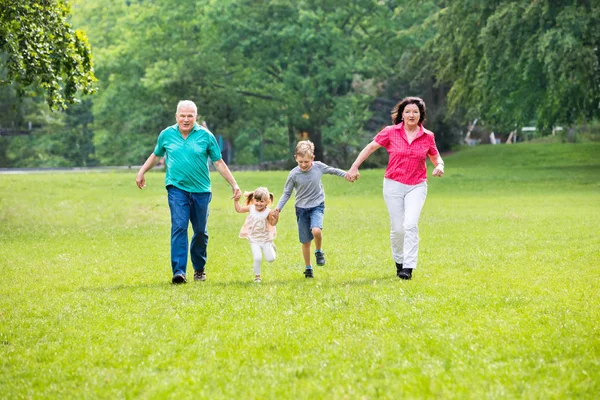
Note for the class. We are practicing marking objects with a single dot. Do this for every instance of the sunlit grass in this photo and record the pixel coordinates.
(504, 303)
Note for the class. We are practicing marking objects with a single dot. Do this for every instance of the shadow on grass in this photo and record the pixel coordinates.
(326, 283)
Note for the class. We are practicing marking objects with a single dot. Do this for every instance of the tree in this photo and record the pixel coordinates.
(41, 48)
(511, 62)
(301, 56)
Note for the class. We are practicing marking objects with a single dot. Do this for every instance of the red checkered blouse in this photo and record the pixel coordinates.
(407, 162)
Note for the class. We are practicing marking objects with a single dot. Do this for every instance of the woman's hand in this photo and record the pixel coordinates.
(352, 174)
(439, 170)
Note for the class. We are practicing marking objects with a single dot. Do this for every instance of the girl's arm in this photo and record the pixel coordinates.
(240, 209)
(273, 217)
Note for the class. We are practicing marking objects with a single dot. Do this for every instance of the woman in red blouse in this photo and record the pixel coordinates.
(405, 183)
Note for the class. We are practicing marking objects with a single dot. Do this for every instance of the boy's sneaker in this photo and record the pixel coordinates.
(320, 257)
(179, 278)
(257, 279)
(308, 273)
(199, 276)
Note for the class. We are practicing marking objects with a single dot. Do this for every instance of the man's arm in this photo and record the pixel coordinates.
(148, 165)
(228, 176)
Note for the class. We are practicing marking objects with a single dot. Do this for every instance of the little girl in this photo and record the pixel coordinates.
(259, 227)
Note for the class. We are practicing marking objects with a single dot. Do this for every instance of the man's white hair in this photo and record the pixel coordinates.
(187, 103)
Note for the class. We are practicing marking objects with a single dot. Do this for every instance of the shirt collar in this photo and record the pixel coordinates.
(402, 131)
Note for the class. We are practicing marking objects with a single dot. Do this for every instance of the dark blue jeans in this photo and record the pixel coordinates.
(188, 207)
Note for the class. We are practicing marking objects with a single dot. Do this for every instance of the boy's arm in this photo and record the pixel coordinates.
(287, 192)
(333, 171)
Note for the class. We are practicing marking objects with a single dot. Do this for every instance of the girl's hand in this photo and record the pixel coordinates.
(274, 217)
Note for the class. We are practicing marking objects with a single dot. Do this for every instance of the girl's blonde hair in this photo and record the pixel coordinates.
(305, 148)
(261, 193)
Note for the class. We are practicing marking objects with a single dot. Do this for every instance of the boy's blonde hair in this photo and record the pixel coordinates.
(261, 193)
(305, 148)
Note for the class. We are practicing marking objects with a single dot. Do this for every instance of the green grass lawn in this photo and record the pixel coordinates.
(504, 304)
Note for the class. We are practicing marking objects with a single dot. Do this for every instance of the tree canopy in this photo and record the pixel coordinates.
(266, 74)
(512, 62)
(39, 47)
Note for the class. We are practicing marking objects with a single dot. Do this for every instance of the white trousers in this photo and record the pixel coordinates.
(404, 204)
(257, 254)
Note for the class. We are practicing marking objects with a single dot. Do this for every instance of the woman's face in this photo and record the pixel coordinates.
(411, 115)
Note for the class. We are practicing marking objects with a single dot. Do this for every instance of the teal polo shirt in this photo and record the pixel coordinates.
(187, 159)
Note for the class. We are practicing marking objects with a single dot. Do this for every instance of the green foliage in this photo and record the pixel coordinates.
(58, 139)
(306, 57)
(504, 303)
(510, 62)
(44, 50)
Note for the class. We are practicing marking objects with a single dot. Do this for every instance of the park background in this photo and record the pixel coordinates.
(504, 303)
(267, 73)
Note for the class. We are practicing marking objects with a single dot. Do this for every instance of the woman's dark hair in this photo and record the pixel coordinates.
(399, 109)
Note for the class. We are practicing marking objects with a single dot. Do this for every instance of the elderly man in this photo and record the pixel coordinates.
(187, 147)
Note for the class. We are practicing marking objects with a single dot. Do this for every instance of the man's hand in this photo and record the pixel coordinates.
(140, 180)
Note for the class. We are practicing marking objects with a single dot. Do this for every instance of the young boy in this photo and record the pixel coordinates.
(310, 200)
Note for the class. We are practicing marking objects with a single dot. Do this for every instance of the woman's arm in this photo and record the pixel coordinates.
(362, 156)
(439, 165)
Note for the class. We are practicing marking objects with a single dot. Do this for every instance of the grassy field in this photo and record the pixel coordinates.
(505, 302)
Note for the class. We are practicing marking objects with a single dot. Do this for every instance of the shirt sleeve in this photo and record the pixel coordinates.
(213, 149)
(331, 170)
(383, 137)
(433, 151)
(159, 149)
(287, 191)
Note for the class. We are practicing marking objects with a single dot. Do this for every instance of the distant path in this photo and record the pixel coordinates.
(134, 168)
(18, 171)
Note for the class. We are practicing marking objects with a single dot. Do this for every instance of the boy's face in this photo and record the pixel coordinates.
(305, 162)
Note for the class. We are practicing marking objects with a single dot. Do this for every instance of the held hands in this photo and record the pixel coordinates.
(439, 170)
(352, 175)
(237, 193)
(275, 213)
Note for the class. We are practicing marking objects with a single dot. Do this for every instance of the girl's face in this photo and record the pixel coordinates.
(261, 204)
(411, 115)
(305, 162)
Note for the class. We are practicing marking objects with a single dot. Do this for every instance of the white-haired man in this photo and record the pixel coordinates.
(188, 147)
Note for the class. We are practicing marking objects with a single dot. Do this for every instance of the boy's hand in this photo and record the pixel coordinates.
(352, 177)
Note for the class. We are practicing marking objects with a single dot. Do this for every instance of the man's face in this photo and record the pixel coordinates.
(186, 116)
